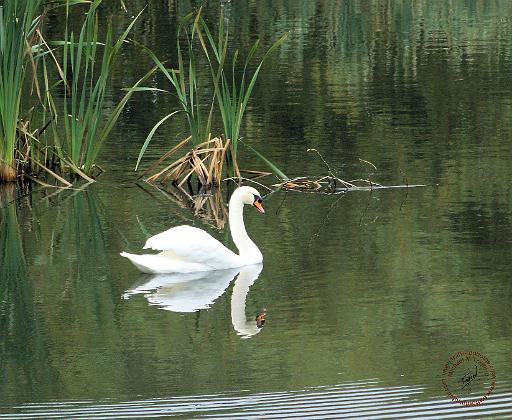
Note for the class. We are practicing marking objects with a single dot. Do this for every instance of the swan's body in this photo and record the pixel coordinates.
(186, 249)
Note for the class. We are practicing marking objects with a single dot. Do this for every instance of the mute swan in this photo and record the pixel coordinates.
(186, 249)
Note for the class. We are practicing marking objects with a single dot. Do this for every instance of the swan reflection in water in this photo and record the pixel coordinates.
(194, 291)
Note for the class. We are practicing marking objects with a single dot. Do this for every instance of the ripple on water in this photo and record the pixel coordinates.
(362, 399)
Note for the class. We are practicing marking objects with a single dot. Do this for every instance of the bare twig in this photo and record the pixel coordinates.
(241, 178)
(323, 160)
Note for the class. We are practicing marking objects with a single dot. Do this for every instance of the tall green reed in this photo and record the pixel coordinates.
(86, 69)
(184, 83)
(232, 93)
(18, 20)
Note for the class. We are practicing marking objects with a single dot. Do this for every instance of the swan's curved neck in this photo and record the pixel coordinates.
(246, 247)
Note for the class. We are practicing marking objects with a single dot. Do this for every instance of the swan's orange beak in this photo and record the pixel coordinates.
(258, 204)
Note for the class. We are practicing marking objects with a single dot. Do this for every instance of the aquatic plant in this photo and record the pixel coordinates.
(18, 20)
(84, 68)
(84, 101)
(230, 93)
(205, 160)
(184, 83)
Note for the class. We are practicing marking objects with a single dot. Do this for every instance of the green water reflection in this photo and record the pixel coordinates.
(383, 285)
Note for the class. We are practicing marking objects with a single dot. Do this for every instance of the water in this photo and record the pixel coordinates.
(368, 295)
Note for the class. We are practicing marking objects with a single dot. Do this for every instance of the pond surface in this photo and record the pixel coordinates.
(368, 294)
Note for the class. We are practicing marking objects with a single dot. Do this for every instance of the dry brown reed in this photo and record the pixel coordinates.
(34, 160)
(328, 184)
(204, 161)
(204, 165)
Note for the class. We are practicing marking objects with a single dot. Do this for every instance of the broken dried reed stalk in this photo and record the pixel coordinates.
(328, 184)
(36, 161)
(205, 161)
(204, 164)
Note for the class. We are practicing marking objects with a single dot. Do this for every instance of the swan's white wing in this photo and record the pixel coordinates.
(188, 243)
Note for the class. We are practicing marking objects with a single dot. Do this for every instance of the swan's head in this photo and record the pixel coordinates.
(250, 196)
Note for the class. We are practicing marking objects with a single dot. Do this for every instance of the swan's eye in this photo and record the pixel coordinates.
(258, 203)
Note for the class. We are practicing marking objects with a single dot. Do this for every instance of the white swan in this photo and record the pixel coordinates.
(186, 249)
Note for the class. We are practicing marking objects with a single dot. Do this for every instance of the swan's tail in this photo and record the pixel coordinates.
(164, 262)
(140, 261)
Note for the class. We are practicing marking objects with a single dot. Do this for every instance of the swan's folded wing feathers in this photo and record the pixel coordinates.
(192, 244)
(172, 238)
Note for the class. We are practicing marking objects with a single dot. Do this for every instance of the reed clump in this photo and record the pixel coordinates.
(231, 93)
(231, 82)
(85, 87)
(80, 65)
(205, 161)
(18, 23)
